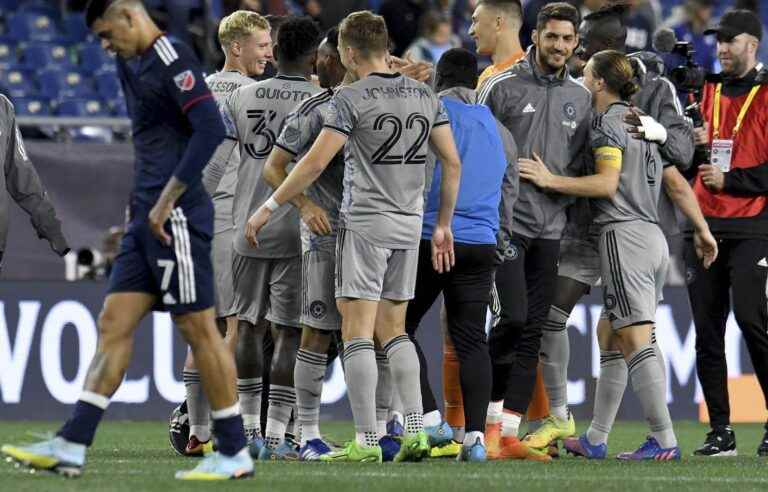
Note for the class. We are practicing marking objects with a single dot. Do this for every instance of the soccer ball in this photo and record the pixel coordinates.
(178, 428)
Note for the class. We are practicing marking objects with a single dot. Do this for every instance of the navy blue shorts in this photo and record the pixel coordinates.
(180, 275)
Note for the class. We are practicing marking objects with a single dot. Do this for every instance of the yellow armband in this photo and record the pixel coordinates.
(608, 156)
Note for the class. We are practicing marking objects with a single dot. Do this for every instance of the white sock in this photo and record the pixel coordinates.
(366, 439)
(559, 412)
(202, 432)
(381, 428)
(309, 432)
(510, 424)
(432, 418)
(495, 409)
(275, 432)
(471, 437)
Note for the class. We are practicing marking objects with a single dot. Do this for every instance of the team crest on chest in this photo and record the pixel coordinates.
(185, 81)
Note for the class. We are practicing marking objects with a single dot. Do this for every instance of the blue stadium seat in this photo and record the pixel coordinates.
(41, 7)
(118, 107)
(108, 85)
(17, 82)
(7, 55)
(75, 29)
(57, 84)
(93, 59)
(31, 106)
(9, 5)
(40, 55)
(25, 26)
(82, 107)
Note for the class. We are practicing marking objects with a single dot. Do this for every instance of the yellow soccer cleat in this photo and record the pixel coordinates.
(450, 450)
(216, 466)
(56, 455)
(553, 429)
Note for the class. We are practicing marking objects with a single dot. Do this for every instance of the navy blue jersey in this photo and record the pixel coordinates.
(161, 87)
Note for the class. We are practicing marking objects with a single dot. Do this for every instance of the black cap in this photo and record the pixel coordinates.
(735, 22)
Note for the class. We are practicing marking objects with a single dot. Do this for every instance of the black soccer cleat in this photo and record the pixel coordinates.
(178, 429)
(719, 442)
(762, 449)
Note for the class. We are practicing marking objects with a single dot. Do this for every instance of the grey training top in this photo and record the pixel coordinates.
(388, 119)
(256, 113)
(301, 129)
(20, 181)
(548, 115)
(220, 175)
(637, 196)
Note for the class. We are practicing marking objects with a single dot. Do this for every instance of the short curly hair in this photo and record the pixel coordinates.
(240, 24)
(297, 37)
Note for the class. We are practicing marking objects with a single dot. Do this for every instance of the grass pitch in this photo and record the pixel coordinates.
(136, 457)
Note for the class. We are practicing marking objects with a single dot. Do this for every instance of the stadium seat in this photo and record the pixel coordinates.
(57, 84)
(81, 107)
(40, 7)
(108, 85)
(75, 29)
(118, 107)
(25, 26)
(93, 59)
(7, 55)
(9, 5)
(31, 106)
(17, 82)
(40, 55)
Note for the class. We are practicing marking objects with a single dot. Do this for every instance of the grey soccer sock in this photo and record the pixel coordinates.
(659, 356)
(404, 365)
(384, 392)
(249, 393)
(281, 402)
(610, 390)
(197, 406)
(308, 375)
(648, 383)
(554, 354)
(361, 375)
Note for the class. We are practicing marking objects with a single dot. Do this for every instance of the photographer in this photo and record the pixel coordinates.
(731, 190)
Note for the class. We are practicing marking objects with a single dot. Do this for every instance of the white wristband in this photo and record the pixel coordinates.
(653, 130)
(271, 204)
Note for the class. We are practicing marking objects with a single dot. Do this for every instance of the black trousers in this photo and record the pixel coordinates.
(737, 280)
(466, 290)
(526, 285)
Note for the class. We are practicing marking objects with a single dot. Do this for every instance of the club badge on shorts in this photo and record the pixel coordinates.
(185, 81)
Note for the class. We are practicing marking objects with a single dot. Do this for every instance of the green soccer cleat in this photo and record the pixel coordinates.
(552, 430)
(413, 448)
(450, 450)
(352, 452)
(56, 455)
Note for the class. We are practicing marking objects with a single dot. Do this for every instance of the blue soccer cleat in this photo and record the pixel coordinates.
(216, 466)
(474, 453)
(313, 450)
(439, 435)
(389, 448)
(255, 445)
(651, 451)
(56, 454)
(284, 452)
(395, 428)
(580, 446)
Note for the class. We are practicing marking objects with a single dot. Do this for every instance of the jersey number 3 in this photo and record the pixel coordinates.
(383, 154)
(263, 118)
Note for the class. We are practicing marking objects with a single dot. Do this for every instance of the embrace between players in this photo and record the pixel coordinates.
(398, 193)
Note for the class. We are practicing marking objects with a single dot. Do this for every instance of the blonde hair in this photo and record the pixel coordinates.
(240, 24)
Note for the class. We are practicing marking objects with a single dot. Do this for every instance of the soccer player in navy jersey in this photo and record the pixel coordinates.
(163, 264)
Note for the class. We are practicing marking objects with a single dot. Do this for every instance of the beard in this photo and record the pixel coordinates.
(737, 67)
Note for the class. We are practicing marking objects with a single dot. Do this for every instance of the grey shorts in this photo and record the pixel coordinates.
(221, 255)
(318, 300)
(580, 260)
(366, 271)
(267, 288)
(634, 260)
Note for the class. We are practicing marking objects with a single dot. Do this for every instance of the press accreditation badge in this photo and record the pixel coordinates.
(722, 152)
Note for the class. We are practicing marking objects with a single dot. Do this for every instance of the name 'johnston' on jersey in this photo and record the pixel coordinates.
(388, 119)
(256, 114)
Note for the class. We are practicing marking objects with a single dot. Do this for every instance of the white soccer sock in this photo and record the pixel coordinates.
(275, 432)
(432, 419)
(471, 437)
(495, 409)
(510, 424)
